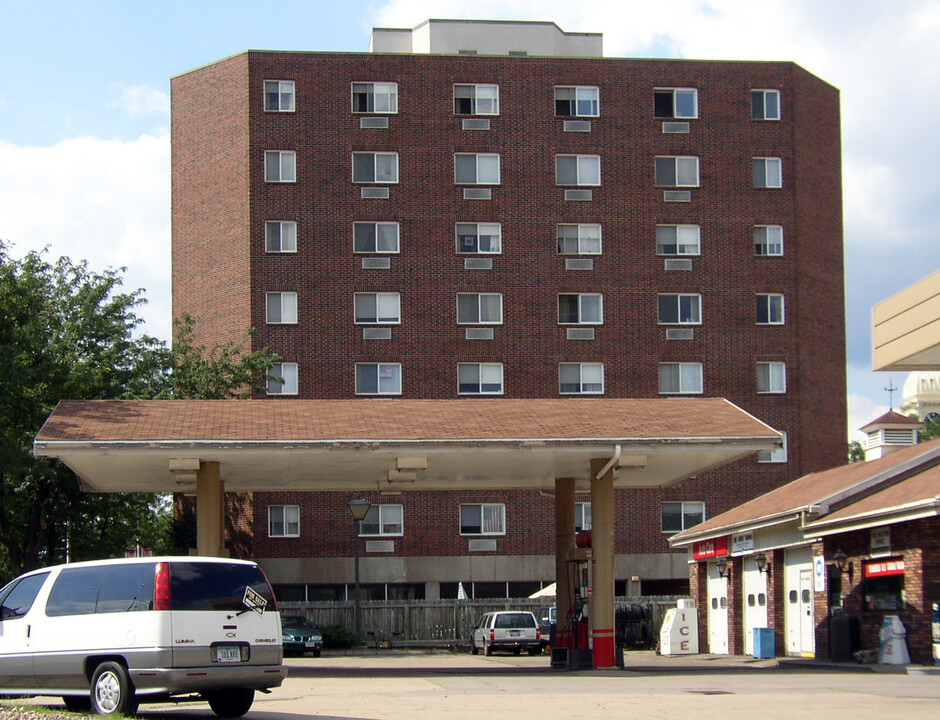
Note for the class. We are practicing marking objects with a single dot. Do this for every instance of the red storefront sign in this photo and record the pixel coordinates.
(883, 568)
(716, 547)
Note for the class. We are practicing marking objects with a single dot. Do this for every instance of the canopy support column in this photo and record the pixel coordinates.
(564, 548)
(210, 511)
(602, 542)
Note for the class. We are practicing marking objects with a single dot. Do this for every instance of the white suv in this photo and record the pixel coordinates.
(514, 630)
(111, 634)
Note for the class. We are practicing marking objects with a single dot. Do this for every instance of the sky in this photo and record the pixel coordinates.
(85, 159)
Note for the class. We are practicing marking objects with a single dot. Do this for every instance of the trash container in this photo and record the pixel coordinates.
(843, 638)
(893, 636)
(763, 643)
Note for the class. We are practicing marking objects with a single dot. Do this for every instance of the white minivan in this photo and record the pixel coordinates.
(114, 633)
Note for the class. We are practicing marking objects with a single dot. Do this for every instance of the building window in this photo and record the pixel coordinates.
(581, 309)
(375, 237)
(678, 240)
(280, 236)
(375, 98)
(768, 240)
(677, 171)
(771, 377)
(375, 167)
(768, 173)
(582, 516)
(770, 309)
(483, 519)
(279, 95)
(479, 308)
(883, 586)
(578, 239)
(680, 378)
(283, 521)
(377, 308)
(679, 309)
(578, 170)
(280, 166)
(581, 378)
(383, 520)
(476, 168)
(476, 99)
(765, 104)
(677, 516)
(479, 378)
(281, 308)
(479, 238)
(774, 456)
(378, 378)
(577, 101)
(675, 103)
(282, 379)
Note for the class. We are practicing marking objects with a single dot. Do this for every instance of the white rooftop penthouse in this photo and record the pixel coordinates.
(486, 37)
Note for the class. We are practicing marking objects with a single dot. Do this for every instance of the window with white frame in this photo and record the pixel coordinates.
(581, 378)
(283, 521)
(383, 520)
(768, 240)
(577, 101)
(279, 95)
(578, 238)
(482, 519)
(281, 308)
(378, 378)
(582, 516)
(280, 236)
(580, 309)
(765, 104)
(479, 308)
(375, 167)
(476, 99)
(678, 516)
(675, 103)
(376, 237)
(677, 171)
(582, 170)
(280, 166)
(771, 377)
(479, 378)
(476, 168)
(377, 308)
(678, 240)
(770, 309)
(682, 378)
(479, 238)
(282, 379)
(679, 309)
(375, 97)
(768, 173)
(774, 456)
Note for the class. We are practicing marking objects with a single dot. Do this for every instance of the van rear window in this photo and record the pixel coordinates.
(216, 586)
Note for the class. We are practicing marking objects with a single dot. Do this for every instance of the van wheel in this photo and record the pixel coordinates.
(111, 690)
(77, 703)
(230, 703)
(474, 650)
(487, 648)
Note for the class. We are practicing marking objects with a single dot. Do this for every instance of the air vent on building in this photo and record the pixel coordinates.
(477, 194)
(482, 545)
(380, 546)
(375, 193)
(478, 263)
(675, 127)
(373, 263)
(476, 123)
(577, 126)
(482, 333)
(518, 53)
(677, 196)
(678, 264)
(580, 333)
(373, 123)
(376, 333)
(579, 194)
(680, 334)
(579, 264)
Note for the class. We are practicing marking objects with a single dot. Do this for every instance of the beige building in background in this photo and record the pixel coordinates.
(906, 328)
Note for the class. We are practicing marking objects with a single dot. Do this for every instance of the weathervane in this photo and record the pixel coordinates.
(891, 390)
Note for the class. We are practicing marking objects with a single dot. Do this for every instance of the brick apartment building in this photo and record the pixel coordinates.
(495, 209)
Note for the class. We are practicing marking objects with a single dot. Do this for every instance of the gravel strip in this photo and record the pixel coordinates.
(24, 712)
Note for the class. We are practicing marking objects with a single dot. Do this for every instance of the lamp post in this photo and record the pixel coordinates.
(358, 508)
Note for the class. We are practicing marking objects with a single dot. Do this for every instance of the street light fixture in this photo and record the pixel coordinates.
(843, 563)
(358, 508)
(761, 561)
(724, 570)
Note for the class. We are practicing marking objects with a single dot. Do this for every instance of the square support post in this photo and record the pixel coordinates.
(210, 511)
(564, 547)
(602, 541)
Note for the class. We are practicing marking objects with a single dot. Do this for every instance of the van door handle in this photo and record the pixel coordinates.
(28, 628)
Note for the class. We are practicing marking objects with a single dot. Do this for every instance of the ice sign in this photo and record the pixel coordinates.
(254, 601)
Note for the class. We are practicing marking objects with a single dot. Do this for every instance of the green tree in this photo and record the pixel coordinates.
(856, 452)
(931, 429)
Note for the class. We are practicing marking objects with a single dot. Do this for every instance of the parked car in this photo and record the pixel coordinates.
(300, 636)
(109, 635)
(514, 630)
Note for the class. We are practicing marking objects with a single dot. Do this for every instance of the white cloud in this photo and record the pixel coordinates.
(142, 100)
(862, 410)
(104, 201)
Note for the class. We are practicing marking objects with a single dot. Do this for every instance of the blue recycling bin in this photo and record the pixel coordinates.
(763, 643)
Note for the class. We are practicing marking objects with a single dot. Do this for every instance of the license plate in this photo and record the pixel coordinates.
(513, 633)
(228, 653)
(310, 644)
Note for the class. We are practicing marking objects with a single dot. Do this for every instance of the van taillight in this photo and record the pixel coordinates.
(492, 634)
(161, 587)
(270, 589)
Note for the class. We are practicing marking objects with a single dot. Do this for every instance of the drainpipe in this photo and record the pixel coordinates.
(610, 463)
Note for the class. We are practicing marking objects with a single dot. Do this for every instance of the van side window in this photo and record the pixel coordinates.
(126, 588)
(17, 598)
(75, 592)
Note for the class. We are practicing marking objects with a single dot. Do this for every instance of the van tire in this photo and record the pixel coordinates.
(474, 650)
(111, 690)
(487, 649)
(77, 703)
(231, 703)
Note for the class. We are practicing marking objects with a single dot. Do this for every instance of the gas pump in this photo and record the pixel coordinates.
(576, 632)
